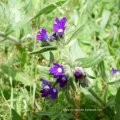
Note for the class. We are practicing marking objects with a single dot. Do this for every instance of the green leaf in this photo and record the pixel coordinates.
(24, 78)
(49, 8)
(68, 96)
(7, 70)
(96, 96)
(109, 112)
(15, 115)
(51, 57)
(105, 18)
(43, 69)
(72, 83)
(117, 105)
(102, 70)
(44, 49)
(8, 30)
(92, 60)
(114, 82)
(68, 116)
(76, 33)
(48, 113)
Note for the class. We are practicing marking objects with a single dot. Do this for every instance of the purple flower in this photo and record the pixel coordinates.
(54, 93)
(57, 70)
(45, 83)
(45, 92)
(62, 80)
(78, 74)
(114, 71)
(80, 77)
(60, 26)
(42, 35)
(48, 89)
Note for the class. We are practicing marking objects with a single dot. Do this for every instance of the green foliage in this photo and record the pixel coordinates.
(92, 41)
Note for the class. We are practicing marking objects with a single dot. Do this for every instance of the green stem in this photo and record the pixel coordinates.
(2, 34)
(12, 38)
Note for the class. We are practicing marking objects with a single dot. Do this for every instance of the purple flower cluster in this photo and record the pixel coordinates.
(59, 29)
(59, 73)
(48, 89)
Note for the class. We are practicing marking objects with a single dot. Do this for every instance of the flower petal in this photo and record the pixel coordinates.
(54, 93)
(115, 71)
(64, 20)
(42, 35)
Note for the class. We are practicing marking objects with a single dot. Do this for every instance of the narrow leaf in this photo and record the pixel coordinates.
(96, 96)
(114, 82)
(76, 33)
(49, 8)
(44, 49)
(51, 57)
(105, 18)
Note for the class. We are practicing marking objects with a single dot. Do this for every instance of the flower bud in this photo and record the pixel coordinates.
(79, 73)
(80, 76)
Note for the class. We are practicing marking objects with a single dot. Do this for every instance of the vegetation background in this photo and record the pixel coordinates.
(98, 40)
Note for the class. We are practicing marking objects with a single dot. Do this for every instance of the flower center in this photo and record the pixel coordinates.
(60, 30)
(54, 90)
(63, 78)
(59, 70)
(46, 87)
